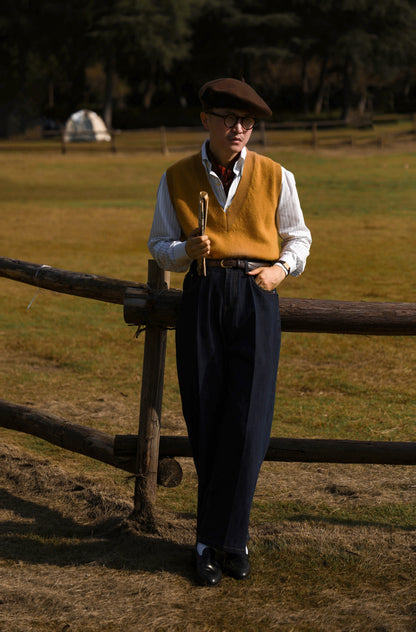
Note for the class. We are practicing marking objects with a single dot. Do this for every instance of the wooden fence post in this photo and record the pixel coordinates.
(113, 142)
(164, 140)
(147, 456)
(314, 134)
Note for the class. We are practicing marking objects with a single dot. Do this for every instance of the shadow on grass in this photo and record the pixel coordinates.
(36, 534)
(350, 522)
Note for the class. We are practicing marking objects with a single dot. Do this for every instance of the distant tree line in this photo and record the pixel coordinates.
(140, 62)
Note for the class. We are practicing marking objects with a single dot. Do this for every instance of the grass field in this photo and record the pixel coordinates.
(332, 546)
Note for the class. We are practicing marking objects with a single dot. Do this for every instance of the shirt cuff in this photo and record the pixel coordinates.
(180, 254)
(283, 267)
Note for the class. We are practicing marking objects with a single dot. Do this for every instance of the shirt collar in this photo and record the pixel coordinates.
(238, 166)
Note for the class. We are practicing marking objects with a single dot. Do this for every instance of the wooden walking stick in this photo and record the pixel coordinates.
(202, 222)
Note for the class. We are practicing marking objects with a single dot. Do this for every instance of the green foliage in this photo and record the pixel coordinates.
(307, 55)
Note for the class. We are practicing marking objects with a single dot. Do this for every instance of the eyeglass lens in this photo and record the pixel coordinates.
(230, 120)
(246, 121)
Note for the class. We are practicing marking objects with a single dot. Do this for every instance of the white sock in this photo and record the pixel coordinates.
(200, 548)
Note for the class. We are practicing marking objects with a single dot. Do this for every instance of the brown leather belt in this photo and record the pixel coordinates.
(241, 264)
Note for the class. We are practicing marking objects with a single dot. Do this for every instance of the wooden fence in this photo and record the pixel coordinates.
(150, 456)
(364, 131)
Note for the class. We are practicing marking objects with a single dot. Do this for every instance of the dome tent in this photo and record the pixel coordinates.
(85, 126)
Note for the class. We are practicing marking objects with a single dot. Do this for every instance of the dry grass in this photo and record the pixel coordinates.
(332, 546)
(68, 547)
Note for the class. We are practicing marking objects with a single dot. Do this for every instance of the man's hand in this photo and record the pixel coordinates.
(269, 278)
(197, 246)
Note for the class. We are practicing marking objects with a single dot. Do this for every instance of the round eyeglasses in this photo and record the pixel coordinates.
(230, 120)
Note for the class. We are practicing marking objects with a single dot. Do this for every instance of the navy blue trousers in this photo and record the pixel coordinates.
(227, 346)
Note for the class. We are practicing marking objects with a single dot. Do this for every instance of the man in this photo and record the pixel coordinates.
(228, 328)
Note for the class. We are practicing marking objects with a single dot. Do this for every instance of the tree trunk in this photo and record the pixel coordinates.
(305, 85)
(108, 95)
(321, 89)
(348, 71)
(149, 93)
(5, 111)
(51, 94)
(362, 103)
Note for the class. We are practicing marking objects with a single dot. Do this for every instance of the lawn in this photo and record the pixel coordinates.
(332, 546)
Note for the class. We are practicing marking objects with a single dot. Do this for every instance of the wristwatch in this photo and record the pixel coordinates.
(284, 265)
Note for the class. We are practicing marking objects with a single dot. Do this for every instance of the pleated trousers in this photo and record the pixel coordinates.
(227, 347)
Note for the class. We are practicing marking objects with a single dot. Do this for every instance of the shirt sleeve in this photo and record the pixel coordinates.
(165, 242)
(296, 237)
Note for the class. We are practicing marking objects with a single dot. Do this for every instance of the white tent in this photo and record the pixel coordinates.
(85, 125)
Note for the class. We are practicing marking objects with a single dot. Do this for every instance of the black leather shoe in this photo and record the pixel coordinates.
(237, 565)
(207, 568)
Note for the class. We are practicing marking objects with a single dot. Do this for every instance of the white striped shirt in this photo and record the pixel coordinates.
(165, 242)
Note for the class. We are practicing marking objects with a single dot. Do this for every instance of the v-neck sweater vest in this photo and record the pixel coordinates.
(248, 228)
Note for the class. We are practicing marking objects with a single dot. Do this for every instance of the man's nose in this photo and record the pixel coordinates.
(238, 124)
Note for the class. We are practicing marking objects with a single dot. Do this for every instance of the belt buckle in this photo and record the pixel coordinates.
(224, 266)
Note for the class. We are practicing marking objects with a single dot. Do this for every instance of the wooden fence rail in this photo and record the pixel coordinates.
(144, 306)
(121, 450)
(155, 307)
(313, 133)
(91, 286)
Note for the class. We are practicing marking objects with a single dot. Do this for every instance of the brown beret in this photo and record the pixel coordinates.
(232, 93)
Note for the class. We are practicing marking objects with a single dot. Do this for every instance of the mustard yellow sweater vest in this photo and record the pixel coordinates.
(248, 228)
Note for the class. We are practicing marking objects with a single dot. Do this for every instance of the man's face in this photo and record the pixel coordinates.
(225, 142)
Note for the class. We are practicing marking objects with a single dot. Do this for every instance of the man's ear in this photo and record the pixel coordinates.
(204, 120)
